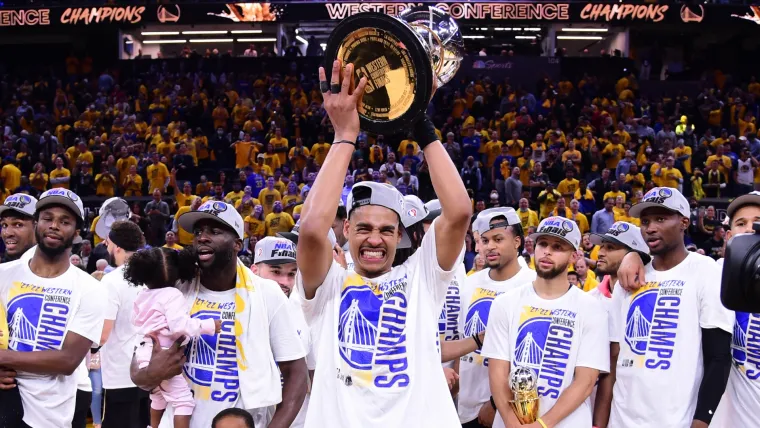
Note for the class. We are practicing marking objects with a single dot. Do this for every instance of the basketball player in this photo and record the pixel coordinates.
(17, 220)
(376, 329)
(551, 328)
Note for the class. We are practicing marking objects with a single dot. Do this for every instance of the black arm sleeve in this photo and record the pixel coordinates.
(716, 355)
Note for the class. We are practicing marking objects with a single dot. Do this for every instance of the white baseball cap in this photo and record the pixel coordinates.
(626, 234)
(219, 211)
(664, 197)
(414, 210)
(559, 227)
(751, 198)
(483, 224)
(20, 203)
(384, 195)
(293, 234)
(274, 251)
(61, 196)
(112, 210)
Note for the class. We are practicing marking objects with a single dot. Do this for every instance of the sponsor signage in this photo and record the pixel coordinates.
(465, 12)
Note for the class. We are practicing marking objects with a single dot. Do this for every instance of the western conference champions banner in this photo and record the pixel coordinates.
(466, 12)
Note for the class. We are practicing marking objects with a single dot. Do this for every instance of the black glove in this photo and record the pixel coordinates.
(424, 132)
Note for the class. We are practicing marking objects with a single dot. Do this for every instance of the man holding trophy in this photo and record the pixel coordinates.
(375, 329)
(546, 340)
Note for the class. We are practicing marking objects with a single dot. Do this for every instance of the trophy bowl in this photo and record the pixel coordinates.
(524, 385)
(405, 59)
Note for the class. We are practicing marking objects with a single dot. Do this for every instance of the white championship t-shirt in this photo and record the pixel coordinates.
(116, 353)
(478, 293)
(739, 404)
(41, 312)
(448, 322)
(659, 330)
(378, 363)
(551, 337)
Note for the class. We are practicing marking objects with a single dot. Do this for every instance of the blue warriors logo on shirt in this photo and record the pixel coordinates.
(37, 317)
(211, 363)
(745, 346)
(372, 333)
(651, 324)
(476, 318)
(448, 322)
(544, 342)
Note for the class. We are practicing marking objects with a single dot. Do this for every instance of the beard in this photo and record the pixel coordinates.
(53, 252)
(552, 273)
(111, 259)
(608, 269)
(222, 259)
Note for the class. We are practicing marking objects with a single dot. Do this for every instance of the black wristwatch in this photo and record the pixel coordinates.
(493, 403)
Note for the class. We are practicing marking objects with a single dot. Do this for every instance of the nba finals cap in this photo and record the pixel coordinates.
(434, 210)
(664, 197)
(20, 203)
(483, 221)
(751, 198)
(274, 251)
(624, 234)
(414, 210)
(559, 227)
(61, 196)
(293, 234)
(384, 195)
(218, 211)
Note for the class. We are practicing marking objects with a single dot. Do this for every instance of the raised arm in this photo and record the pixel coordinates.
(314, 253)
(456, 210)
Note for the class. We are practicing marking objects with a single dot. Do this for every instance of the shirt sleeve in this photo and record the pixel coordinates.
(615, 313)
(712, 313)
(498, 343)
(433, 277)
(88, 318)
(593, 351)
(283, 335)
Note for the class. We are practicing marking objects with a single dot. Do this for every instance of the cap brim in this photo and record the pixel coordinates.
(741, 201)
(60, 200)
(598, 239)
(292, 237)
(535, 236)
(187, 221)
(275, 262)
(432, 215)
(4, 208)
(637, 209)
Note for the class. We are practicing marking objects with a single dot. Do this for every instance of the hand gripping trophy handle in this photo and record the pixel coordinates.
(524, 384)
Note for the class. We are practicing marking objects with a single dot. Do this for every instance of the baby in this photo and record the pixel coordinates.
(161, 310)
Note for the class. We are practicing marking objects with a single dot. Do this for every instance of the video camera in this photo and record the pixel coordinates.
(740, 283)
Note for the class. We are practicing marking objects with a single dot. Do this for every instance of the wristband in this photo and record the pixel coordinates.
(424, 132)
(477, 341)
(493, 403)
(344, 142)
(543, 425)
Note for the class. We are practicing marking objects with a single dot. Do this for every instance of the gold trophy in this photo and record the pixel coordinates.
(405, 59)
(524, 385)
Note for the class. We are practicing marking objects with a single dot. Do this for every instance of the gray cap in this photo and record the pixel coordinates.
(218, 211)
(664, 197)
(559, 227)
(20, 203)
(434, 210)
(384, 195)
(61, 196)
(414, 210)
(113, 210)
(751, 198)
(625, 234)
(483, 224)
(274, 251)
(293, 234)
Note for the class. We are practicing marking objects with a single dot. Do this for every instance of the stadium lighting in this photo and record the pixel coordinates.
(474, 37)
(526, 37)
(323, 46)
(502, 28)
(201, 32)
(532, 29)
(258, 39)
(161, 42)
(210, 40)
(302, 40)
(586, 30)
(245, 31)
(579, 37)
(160, 33)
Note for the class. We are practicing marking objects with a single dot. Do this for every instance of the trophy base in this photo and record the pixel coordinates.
(400, 79)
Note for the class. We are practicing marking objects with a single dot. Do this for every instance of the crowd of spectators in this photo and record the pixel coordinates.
(586, 148)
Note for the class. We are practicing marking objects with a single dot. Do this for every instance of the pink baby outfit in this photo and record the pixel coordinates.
(164, 311)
